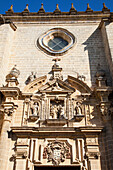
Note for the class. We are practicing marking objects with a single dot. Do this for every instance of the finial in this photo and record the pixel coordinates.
(56, 62)
(26, 10)
(105, 9)
(42, 5)
(57, 6)
(41, 10)
(88, 5)
(11, 78)
(27, 6)
(89, 10)
(72, 11)
(57, 10)
(56, 70)
(72, 5)
(11, 8)
(104, 6)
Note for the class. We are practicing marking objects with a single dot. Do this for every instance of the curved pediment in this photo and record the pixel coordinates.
(70, 85)
(35, 84)
(79, 85)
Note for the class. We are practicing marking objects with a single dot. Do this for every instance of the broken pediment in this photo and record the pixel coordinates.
(35, 84)
(56, 85)
(79, 85)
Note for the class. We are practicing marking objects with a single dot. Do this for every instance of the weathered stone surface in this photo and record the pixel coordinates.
(56, 110)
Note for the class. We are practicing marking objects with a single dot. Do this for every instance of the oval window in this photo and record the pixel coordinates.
(56, 41)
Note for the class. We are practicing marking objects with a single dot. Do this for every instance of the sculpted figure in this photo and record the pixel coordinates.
(35, 109)
(53, 111)
(57, 111)
(61, 112)
(78, 109)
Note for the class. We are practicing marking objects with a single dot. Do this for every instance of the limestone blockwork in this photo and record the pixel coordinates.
(56, 90)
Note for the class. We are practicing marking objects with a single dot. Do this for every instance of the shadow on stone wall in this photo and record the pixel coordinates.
(94, 46)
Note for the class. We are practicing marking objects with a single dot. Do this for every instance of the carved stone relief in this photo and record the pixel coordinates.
(57, 109)
(106, 110)
(56, 152)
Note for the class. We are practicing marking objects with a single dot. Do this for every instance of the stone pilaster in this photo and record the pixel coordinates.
(92, 152)
(21, 153)
(5, 141)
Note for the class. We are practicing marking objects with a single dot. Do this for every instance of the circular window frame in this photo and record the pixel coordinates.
(43, 40)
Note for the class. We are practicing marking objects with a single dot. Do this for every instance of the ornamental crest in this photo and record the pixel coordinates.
(56, 152)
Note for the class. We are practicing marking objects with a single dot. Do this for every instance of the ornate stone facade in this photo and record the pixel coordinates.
(56, 92)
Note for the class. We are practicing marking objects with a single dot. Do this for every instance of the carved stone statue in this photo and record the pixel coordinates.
(53, 111)
(35, 109)
(78, 109)
(56, 111)
(61, 112)
(31, 78)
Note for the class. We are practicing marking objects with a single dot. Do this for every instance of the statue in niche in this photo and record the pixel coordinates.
(61, 114)
(78, 109)
(57, 111)
(35, 109)
(53, 111)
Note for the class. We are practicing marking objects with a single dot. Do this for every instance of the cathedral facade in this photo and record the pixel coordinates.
(56, 89)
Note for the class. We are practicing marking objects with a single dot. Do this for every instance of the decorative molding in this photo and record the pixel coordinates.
(92, 155)
(79, 85)
(35, 84)
(43, 40)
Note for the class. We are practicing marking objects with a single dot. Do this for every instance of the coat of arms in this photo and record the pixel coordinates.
(56, 152)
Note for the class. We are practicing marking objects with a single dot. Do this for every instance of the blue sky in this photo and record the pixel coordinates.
(50, 5)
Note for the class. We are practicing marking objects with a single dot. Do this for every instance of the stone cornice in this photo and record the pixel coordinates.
(80, 16)
(10, 91)
(55, 131)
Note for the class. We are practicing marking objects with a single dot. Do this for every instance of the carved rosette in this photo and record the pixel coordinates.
(56, 152)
